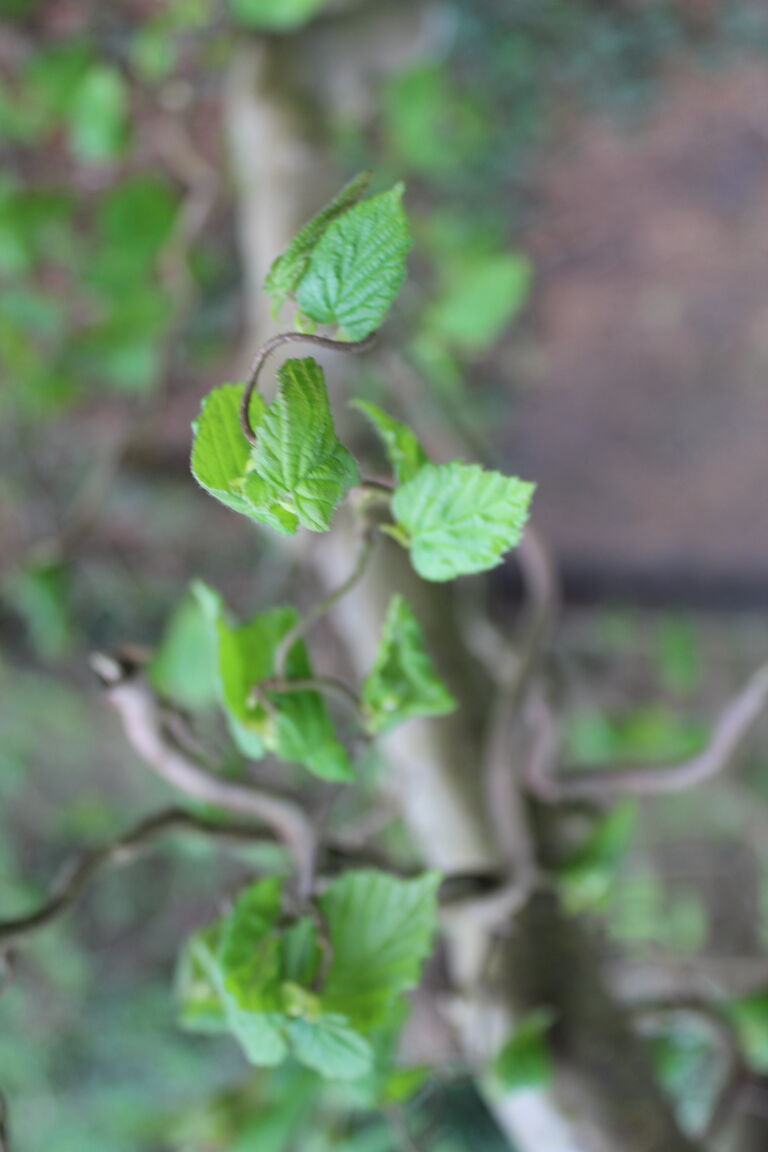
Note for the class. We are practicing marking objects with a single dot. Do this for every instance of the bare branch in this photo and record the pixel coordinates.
(508, 740)
(78, 874)
(730, 731)
(128, 690)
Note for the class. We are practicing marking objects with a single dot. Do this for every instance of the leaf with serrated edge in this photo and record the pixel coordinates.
(404, 451)
(299, 465)
(358, 266)
(380, 928)
(287, 270)
(403, 681)
(460, 518)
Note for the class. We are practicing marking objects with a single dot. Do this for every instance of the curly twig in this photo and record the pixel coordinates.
(77, 875)
(323, 606)
(266, 350)
(730, 731)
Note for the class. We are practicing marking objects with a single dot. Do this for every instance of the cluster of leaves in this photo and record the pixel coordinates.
(323, 985)
(344, 268)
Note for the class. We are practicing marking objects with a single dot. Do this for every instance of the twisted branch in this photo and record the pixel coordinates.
(77, 874)
(731, 729)
(130, 693)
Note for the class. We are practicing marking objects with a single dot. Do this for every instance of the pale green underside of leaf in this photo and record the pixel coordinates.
(380, 928)
(287, 270)
(300, 469)
(300, 728)
(480, 298)
(460, 518)
(404, 451)
(403, 681)
(358, 266)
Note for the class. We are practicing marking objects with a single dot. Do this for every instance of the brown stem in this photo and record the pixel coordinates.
(275, 342)
(323, 606)
(327, 684)
(77, 875)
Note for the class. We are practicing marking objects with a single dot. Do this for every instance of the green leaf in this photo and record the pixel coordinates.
(300, 953)
(98, 115)
(183, 668)
(300, 469)
(403, 681)
(199, 1003)
(586, 879)
(404, 451)
(524, 1060)
(479, 299)
(275, 15)
(460, 518)
(220, 452)
(296, 726)
(287, 270)
(258, 1033)
(358, 265)
(380, 928)
(331, 1047)
(249, 949)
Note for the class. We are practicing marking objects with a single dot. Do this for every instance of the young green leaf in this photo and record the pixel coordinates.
(357, 267)
(249, 948)
(183, 668)
(403, 681)
(331, 1047)
(287, 270)
(459, 518)
(404, 451)
(220, 452)
(300, 468)
(380, 928)
(295, 725)
(524, 1060)
(199, 1003)
(275, 15)
(480, 297)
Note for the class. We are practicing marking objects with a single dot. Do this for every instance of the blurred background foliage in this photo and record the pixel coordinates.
(120, 303)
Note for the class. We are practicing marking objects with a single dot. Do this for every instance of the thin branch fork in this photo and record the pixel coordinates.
(78, 874)
(141, 713)
(730, 731)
